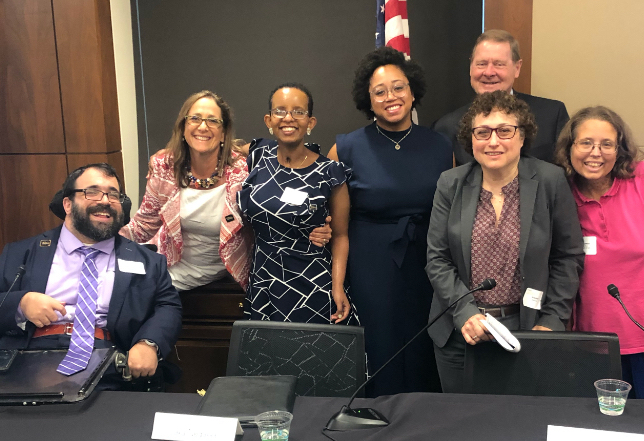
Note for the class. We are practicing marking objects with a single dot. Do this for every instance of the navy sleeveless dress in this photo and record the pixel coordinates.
(392, 193)
(290, 278)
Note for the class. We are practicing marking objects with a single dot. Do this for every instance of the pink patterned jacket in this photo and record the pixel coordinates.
(158, 220)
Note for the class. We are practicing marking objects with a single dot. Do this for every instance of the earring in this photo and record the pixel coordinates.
(270, 130)
(308, 132)
(221, 144)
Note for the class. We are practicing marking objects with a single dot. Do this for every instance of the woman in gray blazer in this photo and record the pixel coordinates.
(504, 216)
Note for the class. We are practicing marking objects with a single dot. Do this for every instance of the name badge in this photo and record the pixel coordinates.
(131, 266)
(293, 196)
(590, 245)
(229, 218)
(532, 298)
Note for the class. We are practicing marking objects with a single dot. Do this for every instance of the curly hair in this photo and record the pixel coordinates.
(178, 148)
(381, 57)
(298, 86)
(501, 101)
(628, 153)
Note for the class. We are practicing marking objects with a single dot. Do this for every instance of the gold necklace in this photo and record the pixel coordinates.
(288, 161)
(397, 144)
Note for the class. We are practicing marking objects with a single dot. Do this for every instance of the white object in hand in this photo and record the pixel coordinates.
(501, 334)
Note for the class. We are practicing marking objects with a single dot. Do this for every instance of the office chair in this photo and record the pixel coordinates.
(555, 364)
(329, 360)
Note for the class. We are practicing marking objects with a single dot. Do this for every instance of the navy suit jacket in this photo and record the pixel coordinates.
(551, 254)
(142, 306)
(551, 116)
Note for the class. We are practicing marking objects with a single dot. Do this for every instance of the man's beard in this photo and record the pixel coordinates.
(104, 230)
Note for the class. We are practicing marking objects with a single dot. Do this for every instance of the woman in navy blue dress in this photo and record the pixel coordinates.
(395, 166)
(290, 190)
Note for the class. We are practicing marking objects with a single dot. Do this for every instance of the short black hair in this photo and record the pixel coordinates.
(70, 183)
(382, 57)
(298, 86)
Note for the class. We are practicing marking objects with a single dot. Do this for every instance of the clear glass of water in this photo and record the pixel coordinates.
(274, 425)
(612, 395)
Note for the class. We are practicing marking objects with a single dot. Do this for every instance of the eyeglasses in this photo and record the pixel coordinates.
(587, 145)
(503, 132)
(380, 93)
(295, 114)
(94, 194)
(196, 120)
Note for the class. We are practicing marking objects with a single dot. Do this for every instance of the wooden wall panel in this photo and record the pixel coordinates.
(514, 16)
(87, 75)
(78, 160)
(27, 184)
(30, 113)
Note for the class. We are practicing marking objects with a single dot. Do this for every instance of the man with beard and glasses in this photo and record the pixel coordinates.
(84, 275)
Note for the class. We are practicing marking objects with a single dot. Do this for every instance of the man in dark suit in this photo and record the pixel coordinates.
(136, 307)
(494, 65)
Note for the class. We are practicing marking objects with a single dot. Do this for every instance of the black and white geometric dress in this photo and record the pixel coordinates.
(290, 279)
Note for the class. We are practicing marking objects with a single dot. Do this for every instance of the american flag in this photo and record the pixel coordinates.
(392, 28)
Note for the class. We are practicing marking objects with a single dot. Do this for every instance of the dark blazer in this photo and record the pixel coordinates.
(142, 306)
(551, 116)
(551, 247)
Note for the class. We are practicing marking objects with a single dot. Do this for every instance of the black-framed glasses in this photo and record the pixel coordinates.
(380, 93)
(196, 120)
(94, 194)
(587, 145)
(295, 114)
(502, 132)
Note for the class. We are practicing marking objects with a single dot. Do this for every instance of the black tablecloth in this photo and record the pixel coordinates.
(113, 416)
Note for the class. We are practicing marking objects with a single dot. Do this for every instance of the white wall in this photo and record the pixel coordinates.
(125, 87)
(591, 52)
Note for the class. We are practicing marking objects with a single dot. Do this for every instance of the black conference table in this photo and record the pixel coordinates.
(113, 416)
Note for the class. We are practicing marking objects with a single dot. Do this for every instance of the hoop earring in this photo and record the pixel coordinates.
(270, 130)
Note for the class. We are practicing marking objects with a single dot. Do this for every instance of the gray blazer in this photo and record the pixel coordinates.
(551, 246)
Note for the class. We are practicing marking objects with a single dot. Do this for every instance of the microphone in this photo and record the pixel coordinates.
(367, 418)
(613, 291)
(21, 271)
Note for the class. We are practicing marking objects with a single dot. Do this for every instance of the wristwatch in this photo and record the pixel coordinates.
(150, 343)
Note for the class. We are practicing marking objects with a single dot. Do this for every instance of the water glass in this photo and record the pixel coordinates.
(612, 395)
(274, 425)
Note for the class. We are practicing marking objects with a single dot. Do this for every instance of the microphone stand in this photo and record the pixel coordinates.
(367, 418)
(613, 291)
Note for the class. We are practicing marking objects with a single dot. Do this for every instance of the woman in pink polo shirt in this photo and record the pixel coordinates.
(599, 155)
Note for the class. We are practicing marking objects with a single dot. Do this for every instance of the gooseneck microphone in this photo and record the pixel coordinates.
(19, 274)
(613, 291)
(366, 418)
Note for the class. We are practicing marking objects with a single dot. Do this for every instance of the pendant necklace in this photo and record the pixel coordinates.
(396, 144)
(288, 161)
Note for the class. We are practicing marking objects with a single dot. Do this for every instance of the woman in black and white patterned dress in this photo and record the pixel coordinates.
(290, 190)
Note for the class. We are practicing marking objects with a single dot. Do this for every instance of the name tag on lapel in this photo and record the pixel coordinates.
(131, 266)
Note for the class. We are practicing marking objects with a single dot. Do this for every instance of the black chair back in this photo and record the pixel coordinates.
(555, 364)
(329, 360)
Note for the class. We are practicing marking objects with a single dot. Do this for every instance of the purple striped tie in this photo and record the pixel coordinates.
(82, 341)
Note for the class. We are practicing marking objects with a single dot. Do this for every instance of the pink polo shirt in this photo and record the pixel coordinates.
(617, 223)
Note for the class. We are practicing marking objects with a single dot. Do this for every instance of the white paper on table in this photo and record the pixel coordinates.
(178, 427)
(561, 433)
(501, 334)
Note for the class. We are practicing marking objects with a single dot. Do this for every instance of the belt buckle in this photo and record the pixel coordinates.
(482, 310)
(69, 328)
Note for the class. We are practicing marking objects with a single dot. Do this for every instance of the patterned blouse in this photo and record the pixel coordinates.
(495, 248)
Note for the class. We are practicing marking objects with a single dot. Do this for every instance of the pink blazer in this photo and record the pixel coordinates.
(158, 220)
